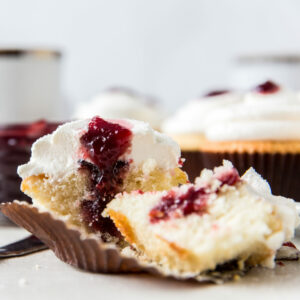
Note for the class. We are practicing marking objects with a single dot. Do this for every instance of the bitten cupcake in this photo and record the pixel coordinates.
(260, 129)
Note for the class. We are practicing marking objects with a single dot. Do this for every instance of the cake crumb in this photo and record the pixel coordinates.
(37, 267)
(23, 282)
(236, 277)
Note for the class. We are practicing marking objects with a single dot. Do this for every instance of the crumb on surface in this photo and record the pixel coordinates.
(23, 282)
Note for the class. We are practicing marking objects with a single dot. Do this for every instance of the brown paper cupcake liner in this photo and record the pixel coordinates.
(89, 253)
(282, 171)
(67, 243)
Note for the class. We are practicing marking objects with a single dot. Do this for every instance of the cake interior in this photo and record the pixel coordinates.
(189, 233)
(81, 196)
(64, 196)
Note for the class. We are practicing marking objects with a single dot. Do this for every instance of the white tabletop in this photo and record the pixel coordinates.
(42, 276)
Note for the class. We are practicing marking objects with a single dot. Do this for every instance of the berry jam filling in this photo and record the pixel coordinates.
(181, 161)
(194, 200)
(267, 87)
(289, 244)
(229, 176)
(103, 145)
(216, 93)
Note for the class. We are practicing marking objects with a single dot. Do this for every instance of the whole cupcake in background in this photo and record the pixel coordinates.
(260, 128)
(188, 123)
(118, 103)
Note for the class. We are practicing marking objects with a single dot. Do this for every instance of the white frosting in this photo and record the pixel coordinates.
(255, 116)
(273, 116)
(58, 153)
(120, 104)
(190, 118)
(150, 144)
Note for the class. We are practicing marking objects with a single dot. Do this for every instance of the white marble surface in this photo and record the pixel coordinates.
(42, 276)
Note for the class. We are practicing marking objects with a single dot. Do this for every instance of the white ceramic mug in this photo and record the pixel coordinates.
(29, 86)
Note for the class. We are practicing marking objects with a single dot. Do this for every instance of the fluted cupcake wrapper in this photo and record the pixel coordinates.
(67, 243)
(281, 170)
(90, 253)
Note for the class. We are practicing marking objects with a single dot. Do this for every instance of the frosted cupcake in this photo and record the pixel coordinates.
(260, 129)
(75, 171)
(120, 103)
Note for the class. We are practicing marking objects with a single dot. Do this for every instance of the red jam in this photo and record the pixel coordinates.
(268, 87)
(227, 176)
(15, 147)
(194, 200)
(289, 244)
(181, 161)
(216, 93)
(24, 134)
(103, 144)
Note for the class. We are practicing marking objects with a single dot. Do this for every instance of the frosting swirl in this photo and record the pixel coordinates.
(191, 118)
(260, 114)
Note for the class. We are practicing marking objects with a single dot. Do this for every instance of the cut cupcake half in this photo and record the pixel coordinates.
(197, 227)
(76, 171)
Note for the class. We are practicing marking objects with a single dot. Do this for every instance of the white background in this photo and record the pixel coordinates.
(174, 49)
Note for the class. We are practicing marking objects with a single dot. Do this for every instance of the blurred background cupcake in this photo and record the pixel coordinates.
(260, 128)
(188, 123)
(120, 102)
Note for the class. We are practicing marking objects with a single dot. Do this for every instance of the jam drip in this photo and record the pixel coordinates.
(103, 145)
(268, 87)
(194, 200)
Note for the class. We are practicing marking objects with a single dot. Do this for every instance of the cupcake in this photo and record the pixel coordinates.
(221, 219)
(80, 167)
(189, 120)
(260, 128)
(119, 103)
(109, 196)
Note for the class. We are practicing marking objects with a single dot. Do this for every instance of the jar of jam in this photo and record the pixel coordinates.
(15, 145)
(30, 107)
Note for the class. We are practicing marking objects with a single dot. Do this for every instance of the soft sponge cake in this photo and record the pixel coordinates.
(77, 170)
(194, 228)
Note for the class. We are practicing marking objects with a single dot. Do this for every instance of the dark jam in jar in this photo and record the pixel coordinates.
(103, 146)
(15, 146)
